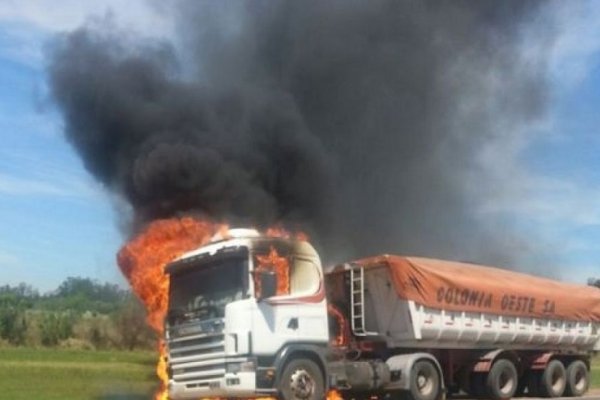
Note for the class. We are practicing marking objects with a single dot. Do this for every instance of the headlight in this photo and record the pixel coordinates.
(233, 368)
(246, 366)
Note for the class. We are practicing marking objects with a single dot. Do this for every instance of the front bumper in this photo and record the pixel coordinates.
(241, 384)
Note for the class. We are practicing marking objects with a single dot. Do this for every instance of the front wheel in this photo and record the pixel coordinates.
(425, 381)
(302, 380)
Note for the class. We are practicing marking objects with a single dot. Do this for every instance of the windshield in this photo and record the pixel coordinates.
(202, 290)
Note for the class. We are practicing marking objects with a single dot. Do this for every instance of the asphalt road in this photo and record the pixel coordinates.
(592, 395)
(595, 396)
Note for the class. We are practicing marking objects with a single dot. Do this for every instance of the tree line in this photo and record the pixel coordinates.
(80, 313)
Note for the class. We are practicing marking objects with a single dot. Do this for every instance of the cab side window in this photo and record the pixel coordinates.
(295, 275)
(276, 263)
(304, 277)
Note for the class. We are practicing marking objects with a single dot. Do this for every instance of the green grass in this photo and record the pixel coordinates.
(596, 372)
(52, 374)
(74, 375)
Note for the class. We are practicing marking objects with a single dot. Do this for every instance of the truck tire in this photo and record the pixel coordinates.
(578, 379)
(425, 381)
(551, 382)
(302, 380)
(502, 381)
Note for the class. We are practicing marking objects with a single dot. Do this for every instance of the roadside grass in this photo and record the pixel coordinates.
(51, 374)
(596, 372)
(58, 374)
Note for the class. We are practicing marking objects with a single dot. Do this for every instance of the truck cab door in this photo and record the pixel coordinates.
(297, 312)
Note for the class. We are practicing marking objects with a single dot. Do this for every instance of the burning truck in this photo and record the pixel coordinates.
(328, 117)
(252, 315)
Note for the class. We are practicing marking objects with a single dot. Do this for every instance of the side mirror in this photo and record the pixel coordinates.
(268, 284)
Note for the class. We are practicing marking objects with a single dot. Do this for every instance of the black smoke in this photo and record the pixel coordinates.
(359, 121)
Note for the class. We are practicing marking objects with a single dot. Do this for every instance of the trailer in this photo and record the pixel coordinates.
(253, 316)
(466, 318)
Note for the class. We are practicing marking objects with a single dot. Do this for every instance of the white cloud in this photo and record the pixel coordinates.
(575, 51)
(24, 173)
(27, 24)
(30, 122)
(22, 43)
(540, 197)
(8, 259)
(543, 200)
(16, 186)
(69, 14)
(536, 198)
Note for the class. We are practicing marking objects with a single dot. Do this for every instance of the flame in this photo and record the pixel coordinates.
(280, 232)
(341, 338)
(161, 371)
(275, 263)
(143, 260)
(334, 395)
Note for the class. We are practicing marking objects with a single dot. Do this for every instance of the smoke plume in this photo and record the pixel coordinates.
(359, 121)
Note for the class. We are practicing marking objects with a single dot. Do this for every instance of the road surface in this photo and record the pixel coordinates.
(593, 394)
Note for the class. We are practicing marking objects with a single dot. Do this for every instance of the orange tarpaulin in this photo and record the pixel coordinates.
(474, 288)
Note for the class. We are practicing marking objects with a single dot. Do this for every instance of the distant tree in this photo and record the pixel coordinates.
(594, 282)
(95, 330)
(14, 301)
(55, 327)
(130, 324)
(21, 296)
(13, 326)
(81, 311)
(84, 294)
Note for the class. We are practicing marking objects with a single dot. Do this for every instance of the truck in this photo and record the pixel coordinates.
(254, 316)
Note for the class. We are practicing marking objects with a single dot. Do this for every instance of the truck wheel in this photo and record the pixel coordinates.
(553, 380)
(578, 379)
(502, 380)
(302, 380)
(425, 381)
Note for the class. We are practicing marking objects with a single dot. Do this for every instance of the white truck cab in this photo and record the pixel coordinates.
(229, 322)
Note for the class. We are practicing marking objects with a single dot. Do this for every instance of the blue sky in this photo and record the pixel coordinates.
(57, 222)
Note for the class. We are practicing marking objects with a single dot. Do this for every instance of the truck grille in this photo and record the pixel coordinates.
(197, 359)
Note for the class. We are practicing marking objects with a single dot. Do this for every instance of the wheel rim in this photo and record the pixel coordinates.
(558, 380)
(424, 383)
(506, 381)
(580, 380)
(302, 384)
